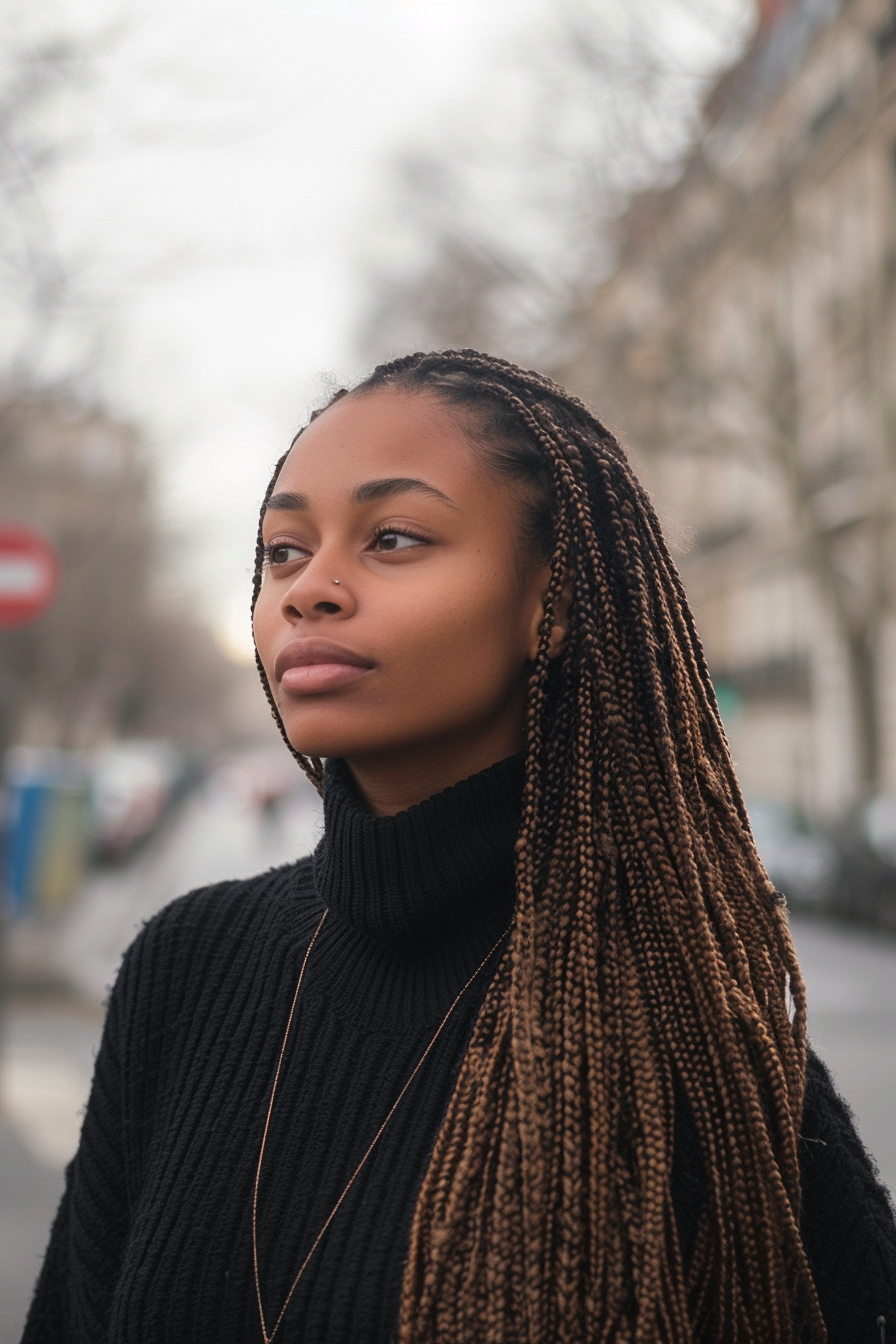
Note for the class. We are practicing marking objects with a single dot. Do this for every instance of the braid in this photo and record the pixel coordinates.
(648, 968)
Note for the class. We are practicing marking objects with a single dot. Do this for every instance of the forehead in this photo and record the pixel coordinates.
(385, 433)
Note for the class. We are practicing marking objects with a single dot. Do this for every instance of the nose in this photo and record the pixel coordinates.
(316, 592)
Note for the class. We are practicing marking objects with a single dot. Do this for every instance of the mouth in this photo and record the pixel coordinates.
(310, 666)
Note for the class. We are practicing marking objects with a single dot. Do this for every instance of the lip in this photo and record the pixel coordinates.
(309, 666)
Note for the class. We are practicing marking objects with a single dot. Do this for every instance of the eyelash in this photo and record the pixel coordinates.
(267, 550)
(383, 530)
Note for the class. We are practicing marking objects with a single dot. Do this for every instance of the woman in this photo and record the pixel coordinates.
(520, 1053)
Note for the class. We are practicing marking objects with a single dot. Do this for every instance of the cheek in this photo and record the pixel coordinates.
(263, 627)
(461, 636)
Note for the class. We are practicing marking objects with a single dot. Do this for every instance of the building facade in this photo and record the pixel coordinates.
(744, 348)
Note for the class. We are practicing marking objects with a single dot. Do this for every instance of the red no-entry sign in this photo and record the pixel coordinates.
(29, 574)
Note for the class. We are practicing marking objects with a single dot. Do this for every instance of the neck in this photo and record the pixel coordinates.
(391, 782)
(433, 884)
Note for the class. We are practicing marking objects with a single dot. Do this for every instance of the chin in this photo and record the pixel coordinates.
(331, 739)
(354, 740)
(357, 731)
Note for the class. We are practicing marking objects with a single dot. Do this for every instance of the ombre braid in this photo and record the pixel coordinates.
(649, 966)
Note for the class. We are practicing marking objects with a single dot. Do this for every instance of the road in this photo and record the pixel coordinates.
(49, 1046)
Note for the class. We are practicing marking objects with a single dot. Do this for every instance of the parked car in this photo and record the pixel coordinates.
(133, 782)
(865, 886)
(801, 861)
(880, 826)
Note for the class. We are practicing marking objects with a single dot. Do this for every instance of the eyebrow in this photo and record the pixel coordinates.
(286, 500)
(398, 485)
(367, 493)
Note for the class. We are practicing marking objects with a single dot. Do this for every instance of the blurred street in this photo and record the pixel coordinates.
(685, 212)
(49, 1044)
(45, 1068)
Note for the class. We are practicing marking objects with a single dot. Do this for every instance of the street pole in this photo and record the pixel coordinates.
(29, 581)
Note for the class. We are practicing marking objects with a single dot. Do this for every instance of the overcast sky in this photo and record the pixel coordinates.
(217, 203)
(233, 156)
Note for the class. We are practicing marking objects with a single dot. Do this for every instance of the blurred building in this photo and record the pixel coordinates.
(81, 478)
(109, 658)
(745, 348)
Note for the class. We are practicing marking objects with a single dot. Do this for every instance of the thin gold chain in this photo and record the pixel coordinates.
(357, 1171)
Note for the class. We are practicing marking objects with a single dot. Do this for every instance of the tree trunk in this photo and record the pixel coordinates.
(865, 707)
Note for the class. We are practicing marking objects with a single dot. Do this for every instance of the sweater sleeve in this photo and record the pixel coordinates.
(848, 1222)
(75, 1286)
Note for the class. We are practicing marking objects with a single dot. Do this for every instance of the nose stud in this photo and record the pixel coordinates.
(336, 581)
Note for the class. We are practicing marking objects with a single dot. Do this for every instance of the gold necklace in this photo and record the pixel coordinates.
(357, 1171)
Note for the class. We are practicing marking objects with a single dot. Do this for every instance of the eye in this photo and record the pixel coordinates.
(392, 539)
(282, 553)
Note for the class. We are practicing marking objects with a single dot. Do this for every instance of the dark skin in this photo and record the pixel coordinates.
(414, 666)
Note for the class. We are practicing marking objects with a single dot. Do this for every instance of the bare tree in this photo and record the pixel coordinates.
(108, 657)
(38, 78)
(496, 233)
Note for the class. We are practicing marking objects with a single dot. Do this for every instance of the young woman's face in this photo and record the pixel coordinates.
(397, 613)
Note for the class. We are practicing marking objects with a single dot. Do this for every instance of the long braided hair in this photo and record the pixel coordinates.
(649, 968)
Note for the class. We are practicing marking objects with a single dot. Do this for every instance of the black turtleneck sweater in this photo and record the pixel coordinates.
(152, 1243)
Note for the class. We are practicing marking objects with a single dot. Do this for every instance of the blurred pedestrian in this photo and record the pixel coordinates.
(519, 1054)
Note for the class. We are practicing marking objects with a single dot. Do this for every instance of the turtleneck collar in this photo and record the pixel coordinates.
(439, 872)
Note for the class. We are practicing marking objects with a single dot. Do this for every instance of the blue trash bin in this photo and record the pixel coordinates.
(46, 829)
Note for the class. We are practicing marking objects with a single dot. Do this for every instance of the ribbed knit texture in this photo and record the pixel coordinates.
(152, 1243)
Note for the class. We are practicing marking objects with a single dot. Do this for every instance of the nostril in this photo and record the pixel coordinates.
(331, 608)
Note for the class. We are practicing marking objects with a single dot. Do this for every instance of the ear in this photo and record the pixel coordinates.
(561, 621)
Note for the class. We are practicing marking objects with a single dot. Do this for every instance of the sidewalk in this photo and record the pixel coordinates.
(48, 1049)
(29, 1194)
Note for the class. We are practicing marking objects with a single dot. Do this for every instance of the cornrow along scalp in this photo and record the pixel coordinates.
(649, 966)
